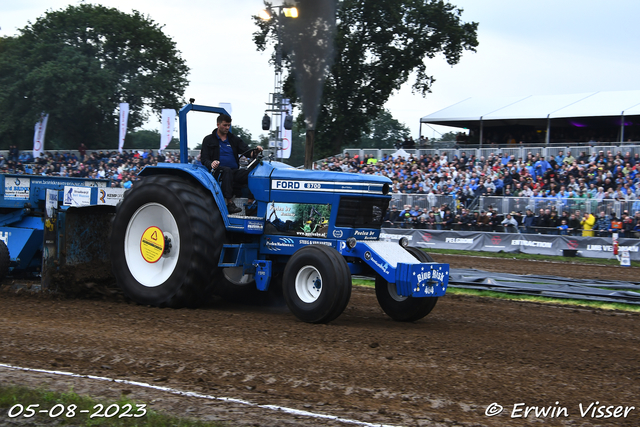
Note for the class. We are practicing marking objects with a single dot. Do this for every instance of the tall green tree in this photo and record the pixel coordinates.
(78, 64)
(378, 46)
(243, 134)
(148, 139)
(384, 132)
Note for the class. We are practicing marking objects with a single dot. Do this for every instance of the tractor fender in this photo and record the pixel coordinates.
(197, 174)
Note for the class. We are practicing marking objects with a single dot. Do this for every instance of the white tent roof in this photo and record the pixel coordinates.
(538, 107)
(400, 153)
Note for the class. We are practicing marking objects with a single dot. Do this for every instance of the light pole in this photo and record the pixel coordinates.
(276, 106)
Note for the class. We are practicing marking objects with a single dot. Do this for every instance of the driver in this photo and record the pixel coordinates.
(220, 153)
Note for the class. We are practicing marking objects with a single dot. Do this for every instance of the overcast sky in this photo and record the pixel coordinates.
(540, 47)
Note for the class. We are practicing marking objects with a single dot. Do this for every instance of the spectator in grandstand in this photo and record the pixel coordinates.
(603, 224)
(541, 167)
(526, 191)
(498, 184)
(583, 159)
(82, 150)
(431, 221)
(527, 222)
(510, 224)
(636, 225)
(627, 225)
(554, 221)
(406, 220)
(483, 221)
(13, 153)
(406, 210)
(494, 219)
(25, 157)
(563, 195)
(563, 228)
(447, 219)
(588, 224)
(466, 221)
(416, 211)
(456, 224)
(544, 221)
(391, 217)
(615, 225)
(574, 223)
(481, 190)
(609, 194)
(569, 159)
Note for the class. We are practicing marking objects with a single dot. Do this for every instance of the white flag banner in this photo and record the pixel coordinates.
(168, 124)
(124, 116)
(284, 152)
(38, 135)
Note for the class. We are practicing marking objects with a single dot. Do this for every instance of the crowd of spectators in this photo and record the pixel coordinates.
(598, 177)
(546, 221)
(121, 168)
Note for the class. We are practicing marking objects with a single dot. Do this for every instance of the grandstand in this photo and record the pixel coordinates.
(428, 179)
(612, 116)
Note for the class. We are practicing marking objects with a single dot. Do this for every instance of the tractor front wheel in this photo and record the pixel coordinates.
(401, 308)
(316, 284)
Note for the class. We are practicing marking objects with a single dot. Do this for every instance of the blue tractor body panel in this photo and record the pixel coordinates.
(23, 220)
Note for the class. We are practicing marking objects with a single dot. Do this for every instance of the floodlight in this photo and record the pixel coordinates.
(290, 12)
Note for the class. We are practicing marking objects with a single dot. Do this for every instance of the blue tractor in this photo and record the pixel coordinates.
(174, 244)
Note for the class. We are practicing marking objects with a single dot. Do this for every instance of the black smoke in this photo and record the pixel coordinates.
(309, 42)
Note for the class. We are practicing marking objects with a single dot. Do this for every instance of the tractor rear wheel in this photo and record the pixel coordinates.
(166, 241)
(316, 284)
(4, 260)
(401, 308)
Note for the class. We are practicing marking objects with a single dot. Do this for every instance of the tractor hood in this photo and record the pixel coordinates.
(284, 177)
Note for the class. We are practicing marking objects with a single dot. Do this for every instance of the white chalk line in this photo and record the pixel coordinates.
(202, 396)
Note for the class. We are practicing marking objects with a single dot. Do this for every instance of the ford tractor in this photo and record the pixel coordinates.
(174, 243)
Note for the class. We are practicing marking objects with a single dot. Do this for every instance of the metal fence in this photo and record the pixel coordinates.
(505, 205)
(423, 201)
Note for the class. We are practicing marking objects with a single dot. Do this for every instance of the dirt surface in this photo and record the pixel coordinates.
(443, 370)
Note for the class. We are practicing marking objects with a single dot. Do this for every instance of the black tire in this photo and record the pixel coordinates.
(404, 309)
(310, 264)
(186, 213)
(4, 260)
(419, 254)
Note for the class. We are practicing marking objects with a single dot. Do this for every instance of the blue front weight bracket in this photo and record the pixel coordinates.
(391, 262)
(422, 280)
(263, 274)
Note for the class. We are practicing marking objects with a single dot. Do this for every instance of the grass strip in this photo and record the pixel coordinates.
(452, 290)
(55, 408)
